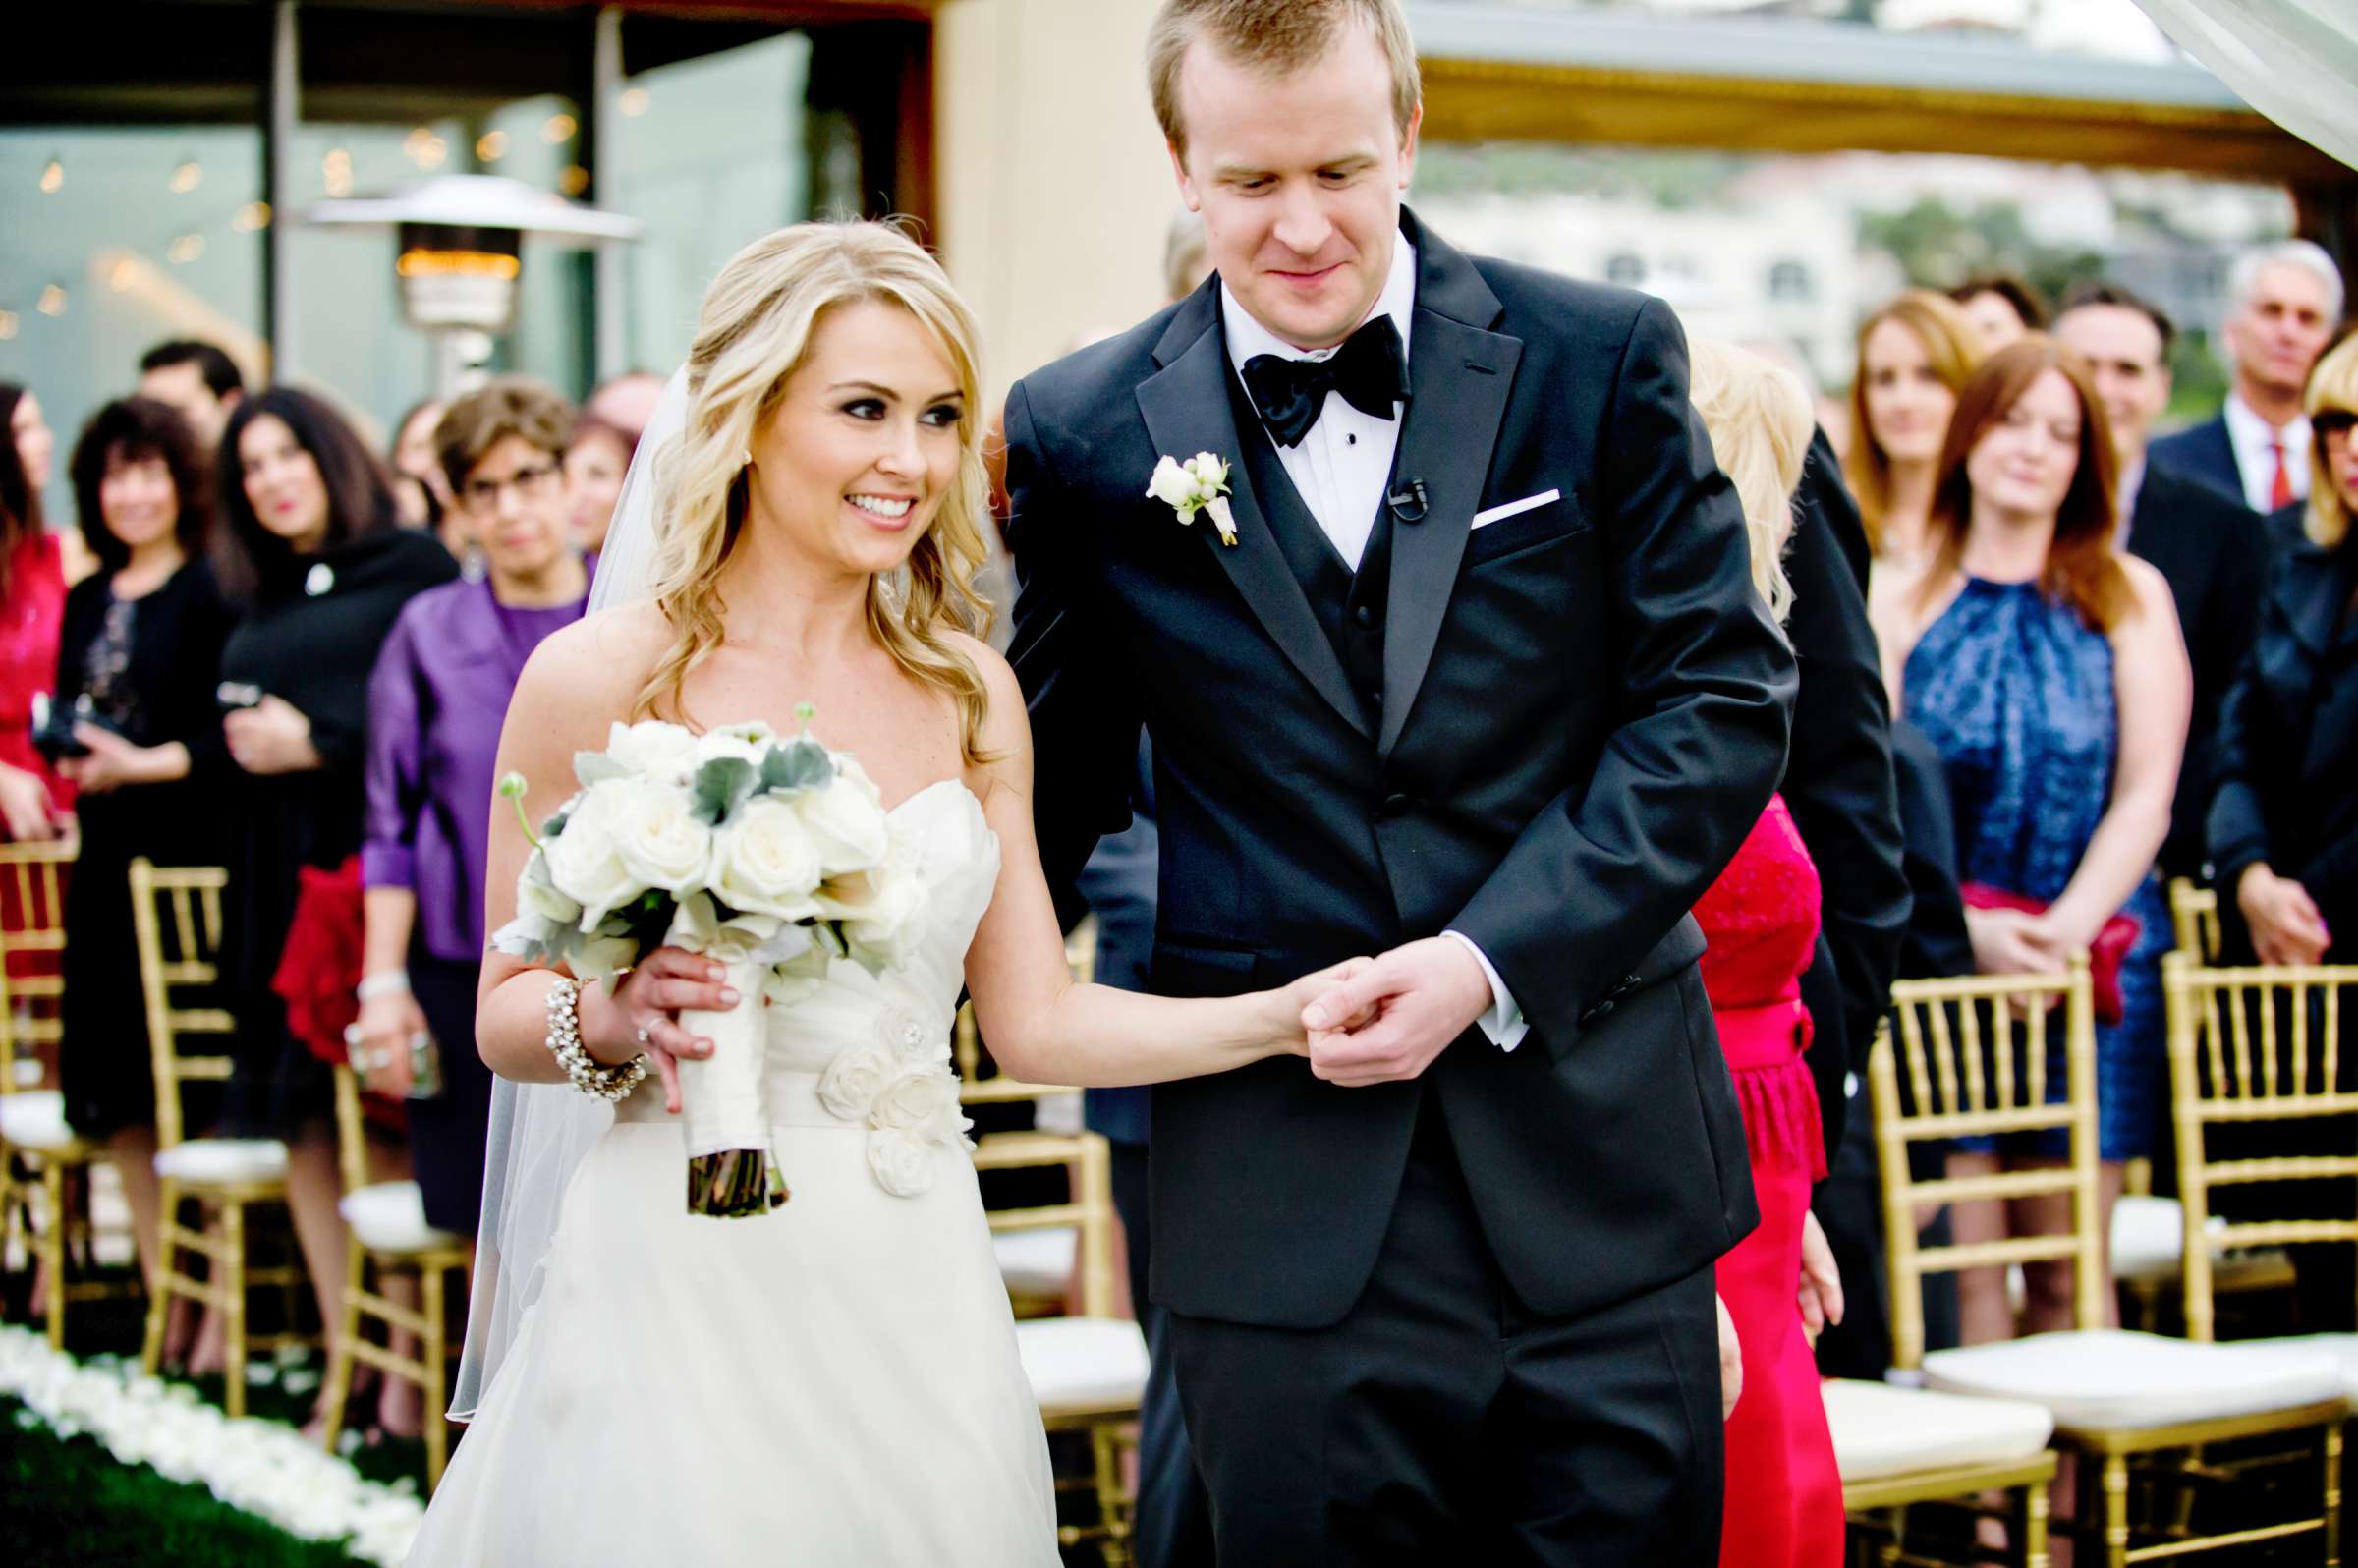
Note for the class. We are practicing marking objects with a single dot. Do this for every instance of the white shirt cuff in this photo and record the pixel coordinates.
(1504, 1023)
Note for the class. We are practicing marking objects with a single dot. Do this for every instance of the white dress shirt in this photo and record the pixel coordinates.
(1340, 469)
(2252, 437)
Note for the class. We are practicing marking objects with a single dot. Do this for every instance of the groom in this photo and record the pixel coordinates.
(1472, 677)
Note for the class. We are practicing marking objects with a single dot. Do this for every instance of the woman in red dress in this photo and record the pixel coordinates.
(32, 613)
(1784, 1495)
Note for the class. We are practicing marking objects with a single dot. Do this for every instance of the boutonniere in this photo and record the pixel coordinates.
(1200, 484)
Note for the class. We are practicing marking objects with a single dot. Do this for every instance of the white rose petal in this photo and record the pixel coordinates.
(1171, 484)
(585, 861)
(730, 742)
(902, 1162)
(849, 1087)
(536, 895)
(915, 1099)
(848, 829)
(658, 836)
(652, 750)
(766, 860)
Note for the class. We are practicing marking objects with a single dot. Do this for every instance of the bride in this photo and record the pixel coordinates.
(836, 1382)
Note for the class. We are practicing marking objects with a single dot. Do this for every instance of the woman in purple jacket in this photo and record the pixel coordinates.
(435, 704)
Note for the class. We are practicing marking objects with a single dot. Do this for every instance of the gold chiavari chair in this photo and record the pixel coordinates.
(1979, 1057)
(387, 1230)
(1086, 1366)
(38, 1150)
(176, 917)
(2149, 1230)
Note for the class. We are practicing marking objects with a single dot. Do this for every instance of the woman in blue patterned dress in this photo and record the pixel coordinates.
(2048, 668)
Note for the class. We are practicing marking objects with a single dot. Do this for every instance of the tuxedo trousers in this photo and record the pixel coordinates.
(1443, 1421)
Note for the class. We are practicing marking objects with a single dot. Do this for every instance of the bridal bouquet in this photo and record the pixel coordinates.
(771, 855)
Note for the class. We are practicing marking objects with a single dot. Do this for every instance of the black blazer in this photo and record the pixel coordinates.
(1584, 709)
(2287, 749)
(1838, 782)
(2204, 454)
(2213, 552)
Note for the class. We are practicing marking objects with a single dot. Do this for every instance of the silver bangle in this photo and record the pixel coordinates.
(385, 983)
(565, 1043)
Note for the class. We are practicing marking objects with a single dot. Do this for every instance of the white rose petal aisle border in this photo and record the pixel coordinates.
(257, 1466)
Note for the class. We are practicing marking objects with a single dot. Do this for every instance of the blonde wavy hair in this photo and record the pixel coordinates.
(1760, 420)
(2332, 388)
(753, 332)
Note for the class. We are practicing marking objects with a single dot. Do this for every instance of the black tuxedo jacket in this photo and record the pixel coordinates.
(2213, 552)
(1584, 708)
(2204, 453)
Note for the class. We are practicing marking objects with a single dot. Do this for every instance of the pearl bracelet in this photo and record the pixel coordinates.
(565, 1043)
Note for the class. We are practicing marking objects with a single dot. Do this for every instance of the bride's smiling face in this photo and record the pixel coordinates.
(853, 464)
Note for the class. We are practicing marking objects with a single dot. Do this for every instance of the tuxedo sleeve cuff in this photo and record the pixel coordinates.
(1503, 1022)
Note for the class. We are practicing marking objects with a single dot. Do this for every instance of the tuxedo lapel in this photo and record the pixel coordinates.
(1462, 372)
(1187, 410)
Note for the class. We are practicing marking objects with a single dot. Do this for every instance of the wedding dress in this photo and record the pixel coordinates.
(834, 1382)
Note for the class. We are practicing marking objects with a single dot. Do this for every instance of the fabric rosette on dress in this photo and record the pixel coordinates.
(771, 855)
(900, 1086)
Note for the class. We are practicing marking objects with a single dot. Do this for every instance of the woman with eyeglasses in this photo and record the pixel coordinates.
(435, 704)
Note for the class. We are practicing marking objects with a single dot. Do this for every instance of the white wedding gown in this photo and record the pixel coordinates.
(834, 1382)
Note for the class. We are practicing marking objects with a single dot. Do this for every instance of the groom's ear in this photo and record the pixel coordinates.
(1187, 186)
(1408, 145)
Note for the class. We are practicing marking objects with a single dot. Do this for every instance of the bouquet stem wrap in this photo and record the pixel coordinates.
(732, 1172)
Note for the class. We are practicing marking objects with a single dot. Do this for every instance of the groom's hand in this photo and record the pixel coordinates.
(1387, 1023)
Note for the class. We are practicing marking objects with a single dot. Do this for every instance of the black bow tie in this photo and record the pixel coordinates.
(1370, 370)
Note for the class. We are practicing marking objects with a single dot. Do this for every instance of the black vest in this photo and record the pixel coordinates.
(1349, 605)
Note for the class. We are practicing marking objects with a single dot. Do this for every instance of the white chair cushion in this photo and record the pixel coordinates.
(1037, 1262)
(1090, 1362)
(390, 1217)
(2343, 1348)
(2110, 1379)
(223, 1159)
(2149, 1239)
(1882, 1430)
(35, 1119)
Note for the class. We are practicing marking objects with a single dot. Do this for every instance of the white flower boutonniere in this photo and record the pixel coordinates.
(1200, 484)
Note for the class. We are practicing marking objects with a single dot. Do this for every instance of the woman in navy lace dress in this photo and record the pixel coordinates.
(2048, 668)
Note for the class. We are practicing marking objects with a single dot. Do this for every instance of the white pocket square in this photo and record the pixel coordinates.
(1527, 503)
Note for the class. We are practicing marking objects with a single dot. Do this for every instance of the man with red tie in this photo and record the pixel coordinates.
(2286, 301)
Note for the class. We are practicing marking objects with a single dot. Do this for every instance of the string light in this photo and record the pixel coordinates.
(557, 128)
(187, 248)
(491, 145)
(52, 301)
(122, 275)
(336, 170)
(53, 175)
(425, 148)
(187, 177)
(573, 180)
(8, 325)
(633, 101)
(251, 216)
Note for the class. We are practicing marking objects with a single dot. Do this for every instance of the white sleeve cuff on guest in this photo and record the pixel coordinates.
(1504, 1023)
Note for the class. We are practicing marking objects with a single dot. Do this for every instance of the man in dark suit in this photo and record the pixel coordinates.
(1464, 668)
(2286, 300)
(2213, 551)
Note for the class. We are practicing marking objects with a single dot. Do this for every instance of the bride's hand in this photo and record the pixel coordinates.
(643, 1014)
(1286, 1005)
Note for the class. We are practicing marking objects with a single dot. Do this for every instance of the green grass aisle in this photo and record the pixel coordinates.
(70, 1504)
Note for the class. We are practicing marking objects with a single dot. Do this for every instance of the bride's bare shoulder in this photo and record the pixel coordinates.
(587, 674)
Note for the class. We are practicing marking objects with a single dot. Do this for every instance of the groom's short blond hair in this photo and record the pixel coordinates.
(1278, 36)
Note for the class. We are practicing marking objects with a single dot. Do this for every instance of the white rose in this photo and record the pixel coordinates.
(916, 1099)
(848, 828)
(849, 1087)
(902, 1162)
(1210, 470)
(536, 895)
(652, 748)
(585, 861)
(1171, 484)
(884, 930)
(658, 836)
(765, 861)
(732, 742)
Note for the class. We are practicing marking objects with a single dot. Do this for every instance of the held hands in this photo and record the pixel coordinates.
(1387, 1022)
(113, 761)
(2012, 941)
(271, 737)
(2286, 927)
(643, 1014)
(1288, 1004)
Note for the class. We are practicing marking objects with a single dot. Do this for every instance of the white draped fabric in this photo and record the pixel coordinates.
(2295, 61)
